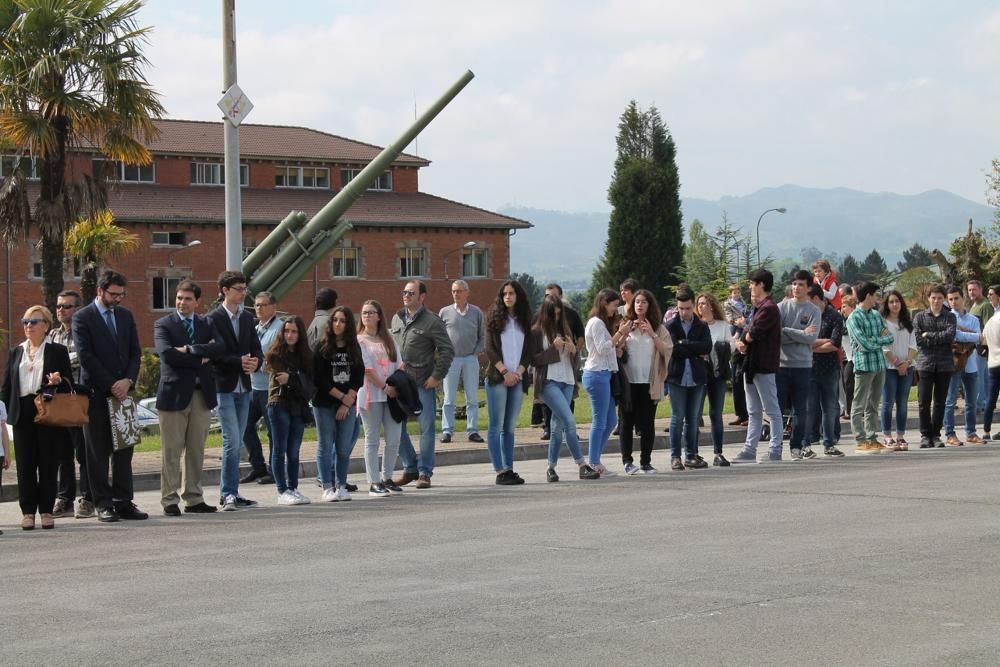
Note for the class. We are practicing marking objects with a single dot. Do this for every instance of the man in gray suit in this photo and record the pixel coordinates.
(186, 342)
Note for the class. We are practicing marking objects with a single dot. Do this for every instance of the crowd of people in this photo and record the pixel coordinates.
(797, 369)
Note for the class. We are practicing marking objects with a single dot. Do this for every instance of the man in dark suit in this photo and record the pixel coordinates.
(241, 357)
(186, 343)
(107, 344)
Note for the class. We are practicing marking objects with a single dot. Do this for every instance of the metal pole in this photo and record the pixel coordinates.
(231, 140)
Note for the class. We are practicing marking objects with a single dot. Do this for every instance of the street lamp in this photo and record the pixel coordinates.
(464, 246)
(779, 210)
(170, 255)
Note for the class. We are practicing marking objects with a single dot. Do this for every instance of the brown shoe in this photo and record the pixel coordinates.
(405, 478)
(739, 422)
(953, 441)
(974, 440)
(423, 482)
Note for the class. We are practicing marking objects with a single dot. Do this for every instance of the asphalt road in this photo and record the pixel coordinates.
(880, 560)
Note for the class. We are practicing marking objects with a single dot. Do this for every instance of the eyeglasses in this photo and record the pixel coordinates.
(64, 306)
(116, 295)
(34, 321)
(407, 292)
(239, 288)
(262, 305)
(369, 313)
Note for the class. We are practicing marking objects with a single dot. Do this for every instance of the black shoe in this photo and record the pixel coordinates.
(446, 437)
(351, 488)
(130, 512)
(252, 475)
(107, 515)
(586, 472)
(546, 436)
(243, 503)
(937, 442)
(506, 478)
(172, 510)
(550, 475)
(697, 462)
(475, 437)
(517, 478)
(720, 461)
(676, 464)
(200, 508)
(926, 444)
(265, 479)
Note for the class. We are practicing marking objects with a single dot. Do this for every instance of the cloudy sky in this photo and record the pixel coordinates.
(878, 96)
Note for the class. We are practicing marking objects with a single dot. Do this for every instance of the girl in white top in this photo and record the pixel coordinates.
(899, 373)
(378, 351)
(710, 313)
(603, 350)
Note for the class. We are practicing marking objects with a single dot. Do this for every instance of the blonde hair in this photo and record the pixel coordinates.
(45, 312)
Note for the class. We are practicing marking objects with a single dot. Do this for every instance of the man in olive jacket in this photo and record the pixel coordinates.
(426, 349)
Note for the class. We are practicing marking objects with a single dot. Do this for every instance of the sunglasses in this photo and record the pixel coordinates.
(34, 321)
(64, 306)
(407, 292)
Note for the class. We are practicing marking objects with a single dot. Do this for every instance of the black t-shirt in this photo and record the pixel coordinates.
(337, 372)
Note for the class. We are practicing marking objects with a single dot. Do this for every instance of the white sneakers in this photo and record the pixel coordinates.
(330, 495)
(292, 497)
(343, 494)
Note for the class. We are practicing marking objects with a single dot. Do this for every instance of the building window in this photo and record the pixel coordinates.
(164, 290)
(170, 238)
(72, 266)
(345, 263)
(382, 184)
(302, 177)
(412, 262)
(126, 173)
(214, 173)
(474, 263)
(29, 166)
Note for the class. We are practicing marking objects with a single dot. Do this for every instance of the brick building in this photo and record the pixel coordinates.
(399, 232)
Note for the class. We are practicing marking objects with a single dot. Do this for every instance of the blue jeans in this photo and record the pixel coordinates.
(504, 405)
(824, 407)
(233, 411)
(793, 386)
(334, 438)
(967, 380)
(558, 396)
(407, 456)
(715, 393)
(466, 369)
(762, 398)
(605, 416)
(287, 427)
(896, 392)
(685, 406)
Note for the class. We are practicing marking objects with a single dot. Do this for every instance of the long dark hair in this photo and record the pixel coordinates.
(551, 321)
(603, 298)
(522, 309)
(329, 345)
(652, 308)
(904, 313)
(382, 331)
(282, 355)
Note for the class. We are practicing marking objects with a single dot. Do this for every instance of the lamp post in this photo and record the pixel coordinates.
(779, 210)
(170, 255)
(464, 246)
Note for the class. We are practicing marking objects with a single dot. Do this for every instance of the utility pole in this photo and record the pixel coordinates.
(234, 217)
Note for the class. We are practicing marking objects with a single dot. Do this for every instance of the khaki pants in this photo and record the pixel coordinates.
(865, 406)
(183, 432)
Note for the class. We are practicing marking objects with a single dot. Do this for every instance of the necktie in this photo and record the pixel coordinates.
(110, 319)
(189, 328)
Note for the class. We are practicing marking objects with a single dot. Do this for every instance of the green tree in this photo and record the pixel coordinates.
(645, 237)
(786, 278)
(531, 287)
(96, 240)
(580, 302)
(71, 72)
(850, 272)
(916, 256)
(700, 265)
(873, 266)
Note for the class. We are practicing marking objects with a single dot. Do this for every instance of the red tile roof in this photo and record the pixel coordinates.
(203, 138)
(154, 203)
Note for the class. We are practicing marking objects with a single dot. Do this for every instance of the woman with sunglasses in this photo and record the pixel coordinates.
(32, 365)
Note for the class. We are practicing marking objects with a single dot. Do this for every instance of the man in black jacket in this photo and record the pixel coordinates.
(687, 376)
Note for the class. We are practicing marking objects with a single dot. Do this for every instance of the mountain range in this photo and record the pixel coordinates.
(565, 246)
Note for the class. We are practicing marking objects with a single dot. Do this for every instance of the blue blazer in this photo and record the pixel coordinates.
(105, 359)
(228, 367)
(182, 372)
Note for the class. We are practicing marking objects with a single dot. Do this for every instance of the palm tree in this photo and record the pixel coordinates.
(96, 240)
(70, 75)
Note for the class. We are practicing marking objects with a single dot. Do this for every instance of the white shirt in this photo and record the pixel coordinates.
(640, 356)
(511, 344)
(30, 372)
(375, 358)
(902, 340)
(600, 348)
(991, 332)
(561, 371)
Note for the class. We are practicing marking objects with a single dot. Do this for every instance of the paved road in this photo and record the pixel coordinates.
(880, 560)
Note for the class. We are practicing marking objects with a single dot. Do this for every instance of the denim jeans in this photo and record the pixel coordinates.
(559, 397)
(991, 405)
(762, 397)
(715, 394)
(465, 369)
(251, 440)
(504, 406)
(896, 392)
(424, 465)
(793, 390)
(334, 438)
(685, 406)
(233, 411)
(967, 380)
(824, 407)
(605, 416)
(287, 427)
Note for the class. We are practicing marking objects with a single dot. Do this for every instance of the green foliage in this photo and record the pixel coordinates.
(786, 278)
(873, 266)
(713, 261)
(850, 272)
(580, 302)
(916, 256)
(645, 238)
(534, 291)
(149, 374)
(913, 283)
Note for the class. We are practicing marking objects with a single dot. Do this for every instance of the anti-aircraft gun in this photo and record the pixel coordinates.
(308, 243)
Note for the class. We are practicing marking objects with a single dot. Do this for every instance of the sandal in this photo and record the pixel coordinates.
(28, 522)
(48, 522)
(901, 445)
